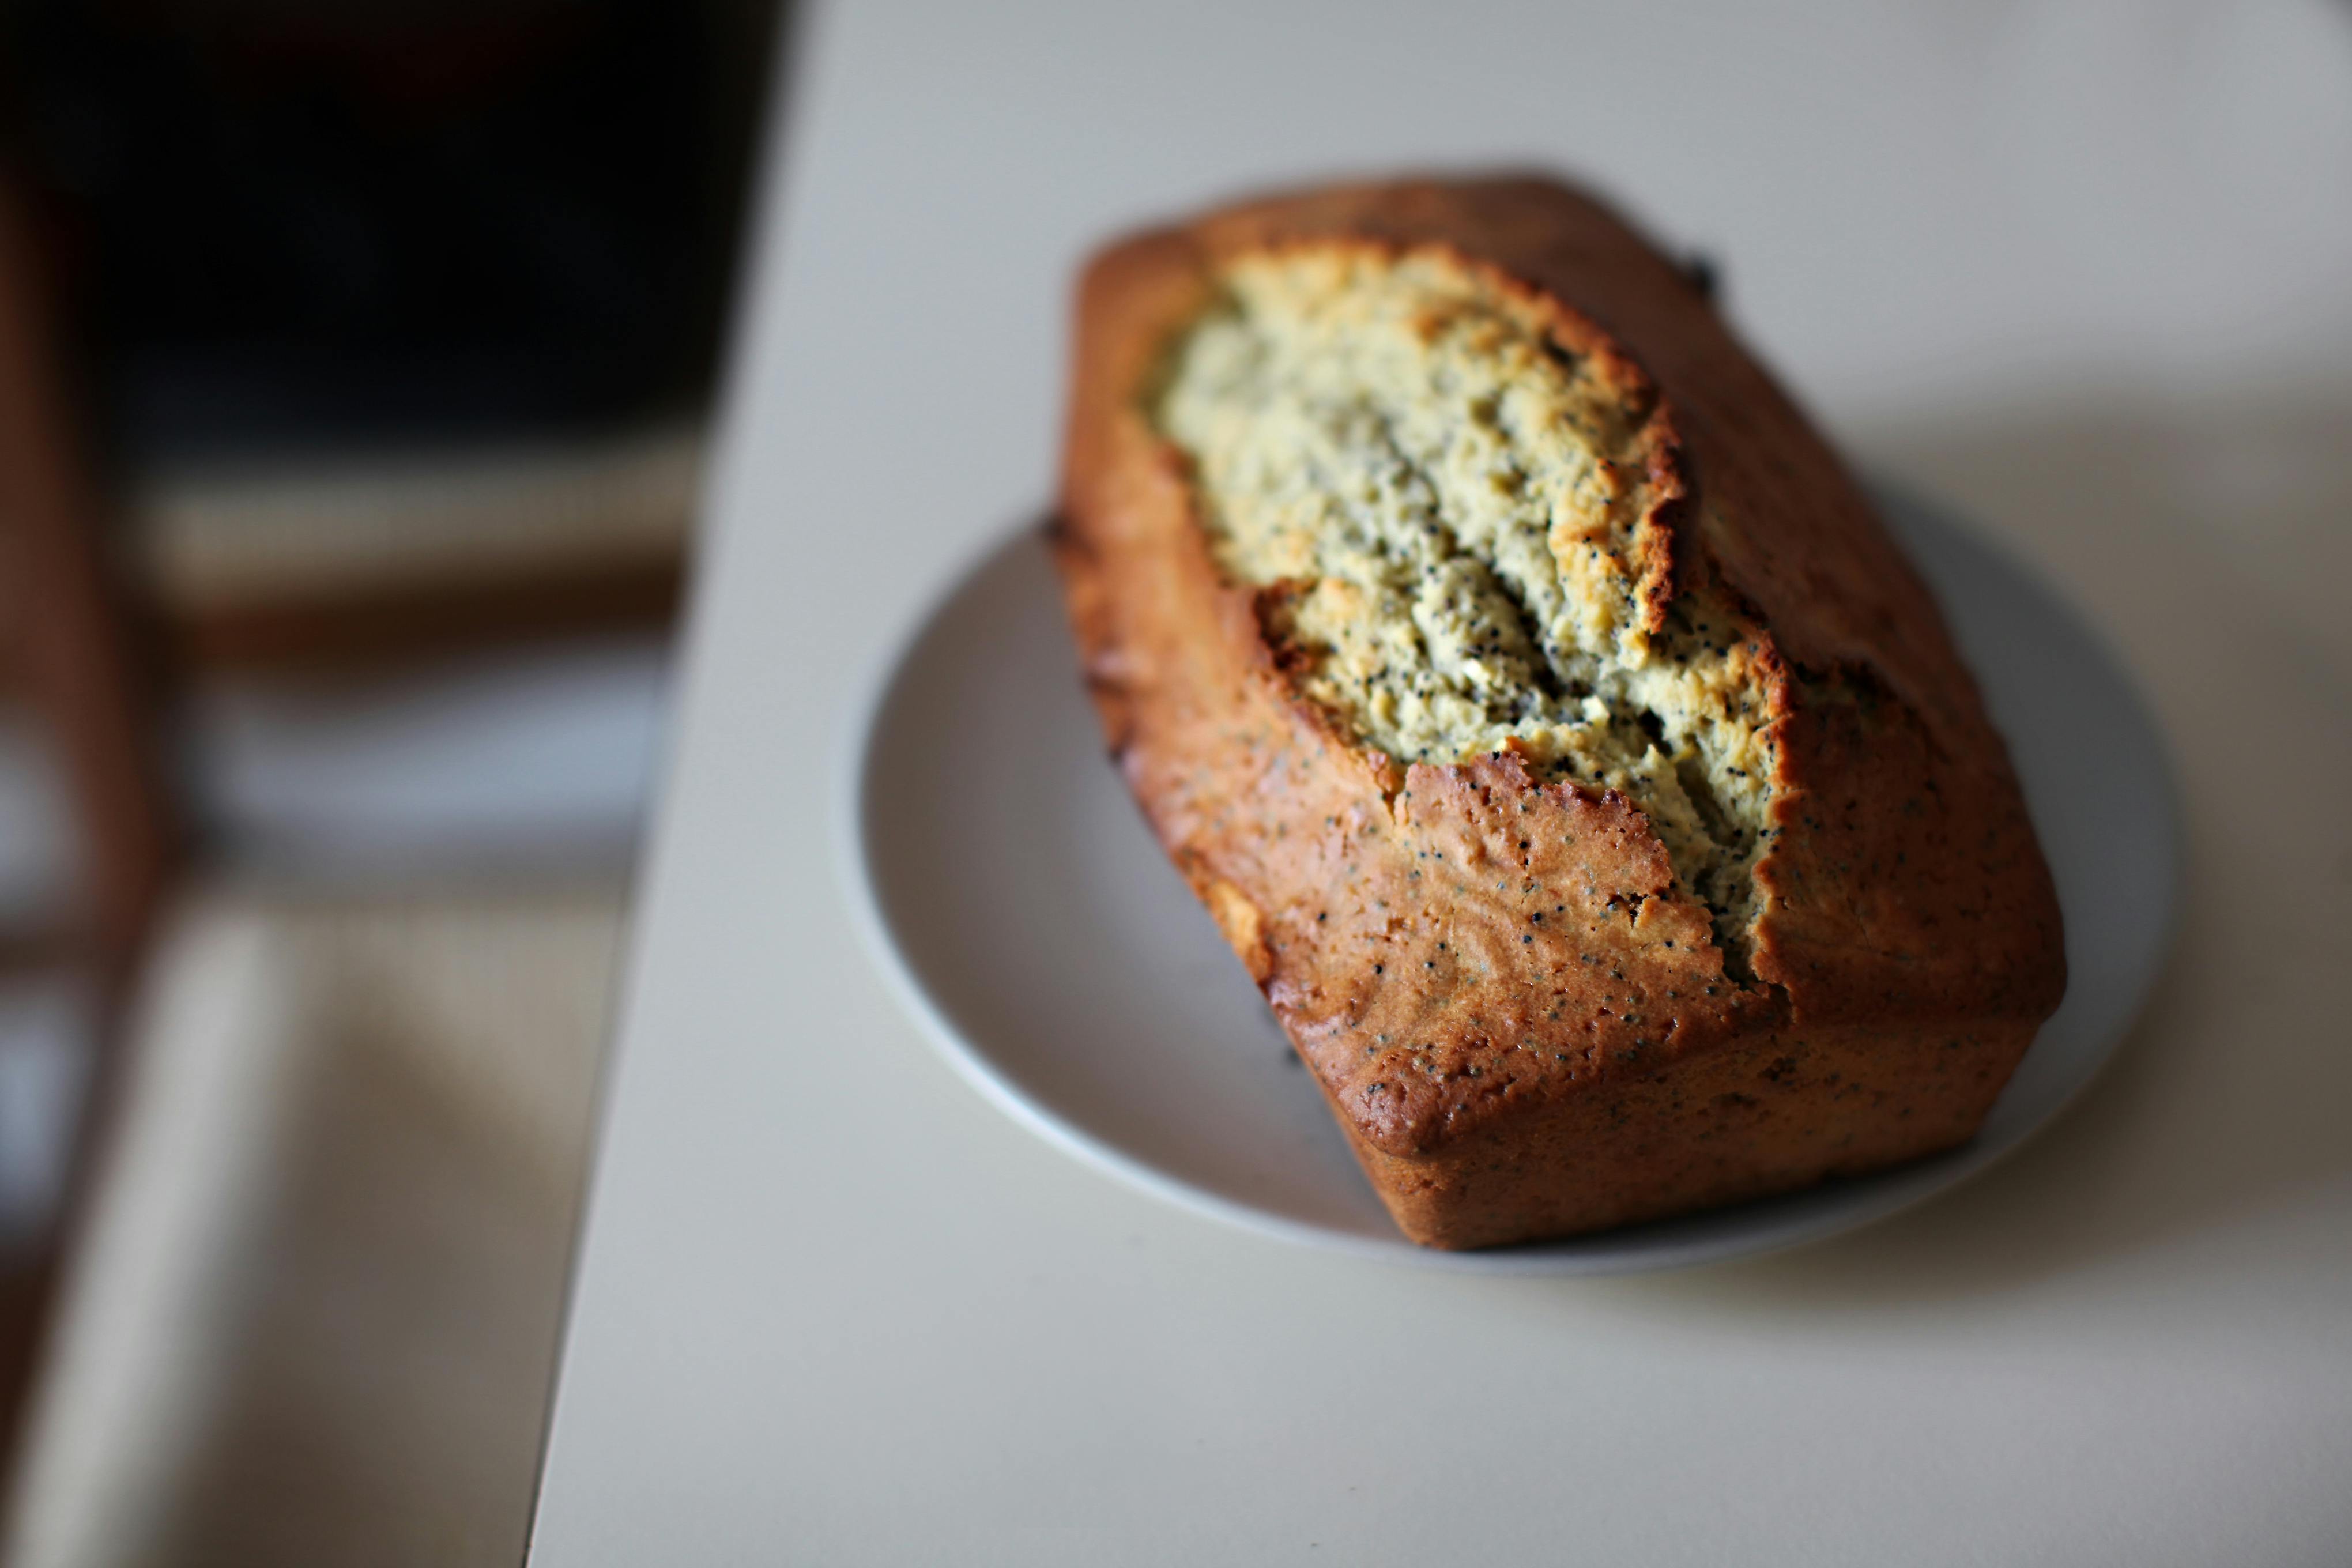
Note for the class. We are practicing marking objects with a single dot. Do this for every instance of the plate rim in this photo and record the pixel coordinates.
(1871, 1198)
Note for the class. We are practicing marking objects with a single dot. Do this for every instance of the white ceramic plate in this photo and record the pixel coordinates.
(1031, 923)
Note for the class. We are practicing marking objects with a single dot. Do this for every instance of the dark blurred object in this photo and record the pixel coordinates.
(330, 336)
(64, 653)
(305, 255)
(291, 225)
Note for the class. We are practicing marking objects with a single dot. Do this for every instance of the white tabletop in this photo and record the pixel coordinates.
(2077, 268)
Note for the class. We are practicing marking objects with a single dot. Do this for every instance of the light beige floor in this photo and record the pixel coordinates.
(315, 1313)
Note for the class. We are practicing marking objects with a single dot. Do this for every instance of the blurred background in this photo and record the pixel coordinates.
(355, 362)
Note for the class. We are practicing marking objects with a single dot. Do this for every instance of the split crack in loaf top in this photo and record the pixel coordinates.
(1509, 667)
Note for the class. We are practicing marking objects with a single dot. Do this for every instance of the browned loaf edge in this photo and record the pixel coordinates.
(1503, 1079)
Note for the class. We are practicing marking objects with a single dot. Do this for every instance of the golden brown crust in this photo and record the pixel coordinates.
(1522, 1022)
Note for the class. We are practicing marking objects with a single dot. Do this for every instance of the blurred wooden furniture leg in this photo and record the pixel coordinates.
(74, 667)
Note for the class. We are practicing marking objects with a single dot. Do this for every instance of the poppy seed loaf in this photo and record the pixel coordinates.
(1584, 777)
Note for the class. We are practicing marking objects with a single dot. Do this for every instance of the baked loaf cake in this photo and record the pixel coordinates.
(1580, 772)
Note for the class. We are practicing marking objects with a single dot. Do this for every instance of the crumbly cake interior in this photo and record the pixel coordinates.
(1448, 500)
